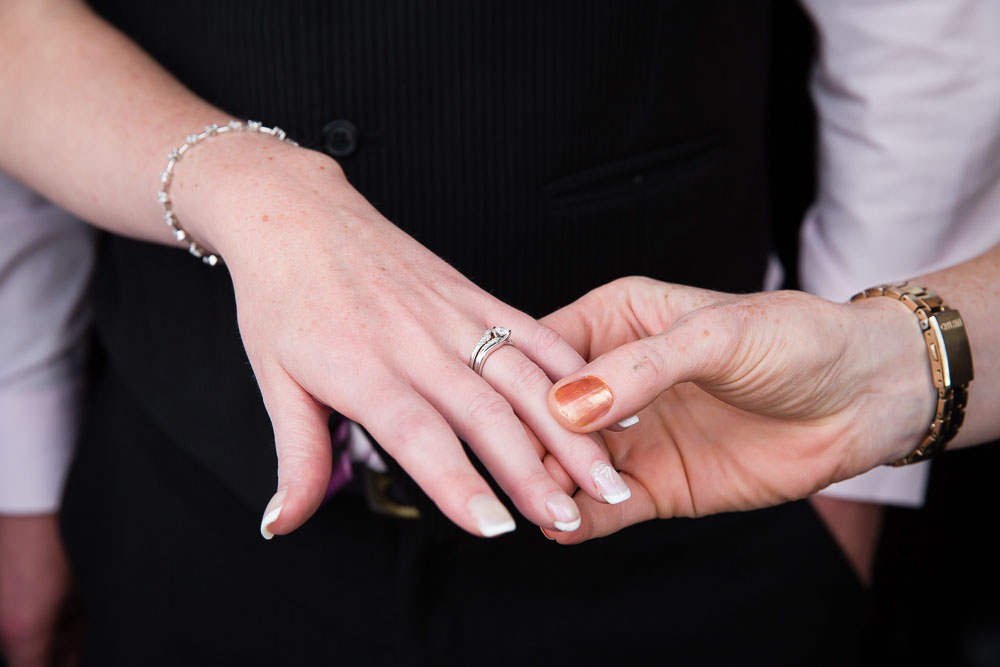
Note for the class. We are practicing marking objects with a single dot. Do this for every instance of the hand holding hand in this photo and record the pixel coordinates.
(746, 401)
(338, 308)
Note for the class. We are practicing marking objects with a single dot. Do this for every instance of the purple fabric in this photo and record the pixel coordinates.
(342, 474)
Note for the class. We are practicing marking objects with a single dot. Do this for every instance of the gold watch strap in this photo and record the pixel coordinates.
(950, 357)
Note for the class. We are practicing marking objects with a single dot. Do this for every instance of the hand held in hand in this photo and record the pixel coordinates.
(339, 309)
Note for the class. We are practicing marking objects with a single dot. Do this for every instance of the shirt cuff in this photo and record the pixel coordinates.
(38, 430)
(903, 487)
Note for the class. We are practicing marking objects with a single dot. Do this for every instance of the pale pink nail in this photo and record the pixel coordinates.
(565, 515)
(609, 483)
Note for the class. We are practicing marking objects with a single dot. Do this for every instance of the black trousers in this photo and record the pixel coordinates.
(173, 571)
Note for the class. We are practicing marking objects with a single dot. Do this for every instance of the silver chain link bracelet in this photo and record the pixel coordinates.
(163, 196)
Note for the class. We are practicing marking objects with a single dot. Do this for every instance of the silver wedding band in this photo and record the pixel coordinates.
(492, 340)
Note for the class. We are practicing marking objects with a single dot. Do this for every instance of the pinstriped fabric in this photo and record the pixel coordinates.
(468, 111)
(541, 148)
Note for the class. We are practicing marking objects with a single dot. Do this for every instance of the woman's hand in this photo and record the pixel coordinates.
(746, 401)
(338, 308)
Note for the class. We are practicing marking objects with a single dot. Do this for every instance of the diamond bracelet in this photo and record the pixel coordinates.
(163, 196)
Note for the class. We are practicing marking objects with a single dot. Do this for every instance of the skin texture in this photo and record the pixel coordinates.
(749, 401)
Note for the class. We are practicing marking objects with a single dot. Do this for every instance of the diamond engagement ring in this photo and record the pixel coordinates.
(493, 339)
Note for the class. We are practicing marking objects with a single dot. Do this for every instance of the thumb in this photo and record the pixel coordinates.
(612, 389)
(302, 443)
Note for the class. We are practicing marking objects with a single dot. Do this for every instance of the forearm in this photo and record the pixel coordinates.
(973, 288)
(78, 95)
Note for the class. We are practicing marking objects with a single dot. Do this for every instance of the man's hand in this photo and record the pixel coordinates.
(749, 400)
(34, 584)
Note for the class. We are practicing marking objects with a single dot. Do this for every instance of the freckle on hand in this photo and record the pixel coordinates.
(705, 333)
(264, 218)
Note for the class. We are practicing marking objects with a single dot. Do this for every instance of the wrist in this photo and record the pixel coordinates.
(234, 189)
(897, 390)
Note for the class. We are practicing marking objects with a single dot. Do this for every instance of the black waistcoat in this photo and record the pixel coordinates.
(543, 148)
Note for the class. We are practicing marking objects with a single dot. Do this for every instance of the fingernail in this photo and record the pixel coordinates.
(624, 424)
(609, 483)
(492, 518)
(583, 401)
(272, 512)
(629, 421)
(565, 515)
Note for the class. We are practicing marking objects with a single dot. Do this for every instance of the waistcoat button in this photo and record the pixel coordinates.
(341, 138)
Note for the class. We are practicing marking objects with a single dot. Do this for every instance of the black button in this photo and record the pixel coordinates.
(341, 138)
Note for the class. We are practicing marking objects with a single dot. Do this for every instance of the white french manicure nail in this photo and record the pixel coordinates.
(629, 421)
(492, 518)
(609, 483)
(272, 512)
(565, 515)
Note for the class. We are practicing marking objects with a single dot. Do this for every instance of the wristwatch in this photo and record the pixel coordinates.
(951, 362)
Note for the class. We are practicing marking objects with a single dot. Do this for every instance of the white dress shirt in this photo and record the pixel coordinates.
(46, 258)
(908, 100)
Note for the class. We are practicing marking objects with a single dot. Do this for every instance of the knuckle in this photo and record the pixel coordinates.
(621, 282)
(534, 484)
(410, 427)
(295, 458)
(546, 339)
(526, 378)
(625, 282)
(451, 487)
(308, 471)
(487, 409)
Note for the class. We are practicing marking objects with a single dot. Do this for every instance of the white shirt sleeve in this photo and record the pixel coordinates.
(908, 103)
(46, 258)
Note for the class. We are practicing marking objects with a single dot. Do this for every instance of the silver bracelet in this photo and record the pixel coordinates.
(163, 196)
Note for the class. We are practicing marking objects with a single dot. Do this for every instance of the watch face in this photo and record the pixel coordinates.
(953, 347)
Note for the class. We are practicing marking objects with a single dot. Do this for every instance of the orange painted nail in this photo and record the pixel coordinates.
(583, 401)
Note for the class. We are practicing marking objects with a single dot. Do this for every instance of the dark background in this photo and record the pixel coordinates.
(934, 601)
